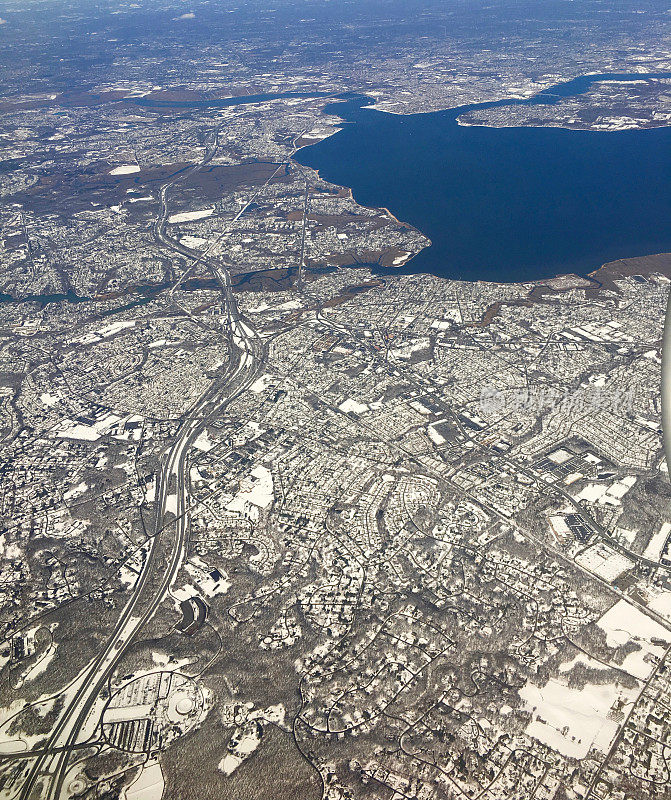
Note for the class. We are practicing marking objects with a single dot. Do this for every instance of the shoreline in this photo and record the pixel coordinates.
(598, 277)
(436, 265)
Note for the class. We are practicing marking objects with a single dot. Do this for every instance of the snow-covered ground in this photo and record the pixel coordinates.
(190, 216)
(125, 169)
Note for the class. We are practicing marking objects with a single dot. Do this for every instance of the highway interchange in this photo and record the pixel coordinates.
(246, 352)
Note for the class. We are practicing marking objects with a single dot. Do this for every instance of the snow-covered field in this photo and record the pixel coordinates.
(125, 169)
(624, 623)
(148, 785)
(190, 216)
(573, 720)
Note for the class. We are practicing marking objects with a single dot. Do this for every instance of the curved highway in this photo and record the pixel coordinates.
(169, 539)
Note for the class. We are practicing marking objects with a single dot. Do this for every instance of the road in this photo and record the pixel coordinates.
(47, 776)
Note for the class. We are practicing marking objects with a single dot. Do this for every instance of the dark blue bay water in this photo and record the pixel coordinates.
(506, 204)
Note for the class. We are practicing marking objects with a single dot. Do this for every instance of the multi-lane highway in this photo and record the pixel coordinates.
(47, 777)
